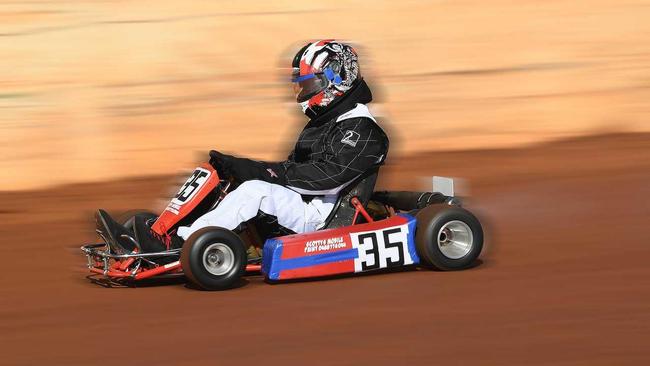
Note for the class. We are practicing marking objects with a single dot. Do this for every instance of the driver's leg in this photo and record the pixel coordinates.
(253, 196)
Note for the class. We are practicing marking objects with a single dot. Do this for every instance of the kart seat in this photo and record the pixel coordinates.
(341, 215)
(343, 211)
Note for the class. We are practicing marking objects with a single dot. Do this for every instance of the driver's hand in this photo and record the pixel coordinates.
(222, 163)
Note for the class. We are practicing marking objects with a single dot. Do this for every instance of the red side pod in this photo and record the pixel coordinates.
(202, 181)
(357, 248)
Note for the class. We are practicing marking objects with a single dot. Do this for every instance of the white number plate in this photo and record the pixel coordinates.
(192, 185)
(382, 248)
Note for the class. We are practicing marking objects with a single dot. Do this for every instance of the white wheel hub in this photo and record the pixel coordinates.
(218, 259)
(455, 239)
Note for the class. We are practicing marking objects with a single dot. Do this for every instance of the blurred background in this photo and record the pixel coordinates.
(541, 106)
(91, 90)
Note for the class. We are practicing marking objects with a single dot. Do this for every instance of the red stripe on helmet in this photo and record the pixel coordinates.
(316, 100)
(305, 69)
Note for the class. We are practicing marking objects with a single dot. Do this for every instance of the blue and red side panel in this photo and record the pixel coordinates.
(357, 248)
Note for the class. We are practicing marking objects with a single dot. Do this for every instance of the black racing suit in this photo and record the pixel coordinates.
(328, 155)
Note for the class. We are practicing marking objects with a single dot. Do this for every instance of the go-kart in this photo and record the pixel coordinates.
(366, 231)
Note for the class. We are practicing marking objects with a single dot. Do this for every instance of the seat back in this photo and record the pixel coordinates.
(343, 212)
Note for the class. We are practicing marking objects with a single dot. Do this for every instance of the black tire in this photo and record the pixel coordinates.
(126, 219)
(206, 246)
(429, 237)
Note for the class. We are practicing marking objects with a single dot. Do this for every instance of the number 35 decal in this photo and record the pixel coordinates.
(191, 186)
(381, 248)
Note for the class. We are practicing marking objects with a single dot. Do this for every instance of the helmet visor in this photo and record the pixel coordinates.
(306, 86)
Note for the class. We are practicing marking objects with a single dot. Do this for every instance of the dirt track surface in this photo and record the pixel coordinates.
(564, 280)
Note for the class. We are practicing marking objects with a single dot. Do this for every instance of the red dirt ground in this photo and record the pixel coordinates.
(564, 280)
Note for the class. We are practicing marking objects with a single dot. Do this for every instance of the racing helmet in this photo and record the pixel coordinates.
(323, 71)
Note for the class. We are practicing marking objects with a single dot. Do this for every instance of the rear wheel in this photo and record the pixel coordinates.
(448, 237)
(213, 258)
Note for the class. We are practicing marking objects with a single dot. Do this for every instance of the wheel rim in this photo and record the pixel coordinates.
(455, 239)
(218, 259)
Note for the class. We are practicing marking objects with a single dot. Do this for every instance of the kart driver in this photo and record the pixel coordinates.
(340, 142)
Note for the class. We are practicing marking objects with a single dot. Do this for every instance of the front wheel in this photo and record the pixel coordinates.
(448, 237)
(213, 258)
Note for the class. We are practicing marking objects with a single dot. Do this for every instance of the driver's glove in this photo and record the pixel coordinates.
(222, 163)
(243, 169)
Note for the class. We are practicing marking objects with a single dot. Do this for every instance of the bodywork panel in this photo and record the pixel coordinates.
(351, 249)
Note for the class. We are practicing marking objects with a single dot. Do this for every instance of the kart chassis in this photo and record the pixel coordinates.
(118, 267)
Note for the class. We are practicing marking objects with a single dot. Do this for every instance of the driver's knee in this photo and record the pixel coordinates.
(254, 188)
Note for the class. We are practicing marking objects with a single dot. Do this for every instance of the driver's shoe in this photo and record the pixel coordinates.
(254, 254)
(113, 233)
(150, 241)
